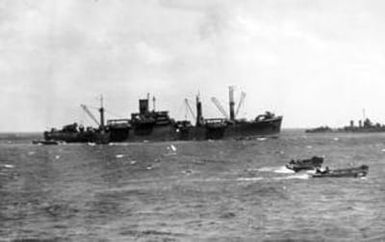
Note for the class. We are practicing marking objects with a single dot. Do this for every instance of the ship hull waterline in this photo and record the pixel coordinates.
(242, 130)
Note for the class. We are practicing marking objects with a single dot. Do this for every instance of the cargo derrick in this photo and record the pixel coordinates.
(75, 133)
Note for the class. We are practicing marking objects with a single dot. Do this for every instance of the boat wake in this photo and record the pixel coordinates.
(280, 170)
(302, 176)
(284, 170)
(276, 169)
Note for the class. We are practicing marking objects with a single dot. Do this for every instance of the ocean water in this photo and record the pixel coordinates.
(191, 191)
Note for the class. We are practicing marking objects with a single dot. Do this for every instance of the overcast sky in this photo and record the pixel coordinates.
(314, 62)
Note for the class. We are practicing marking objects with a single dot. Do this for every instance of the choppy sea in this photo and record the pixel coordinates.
(191, 191)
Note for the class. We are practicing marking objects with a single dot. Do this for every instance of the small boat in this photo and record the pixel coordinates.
(306, 164)
(360, 171)
(45, 142)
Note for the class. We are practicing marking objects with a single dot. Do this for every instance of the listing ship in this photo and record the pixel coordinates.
(151, 125)
(365, 126)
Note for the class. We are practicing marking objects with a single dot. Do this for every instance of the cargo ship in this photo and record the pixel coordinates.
(152, 125)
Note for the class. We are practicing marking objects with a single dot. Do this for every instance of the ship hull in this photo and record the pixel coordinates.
(236, 130)
(266, 127)
(361, 171)
(77, 137)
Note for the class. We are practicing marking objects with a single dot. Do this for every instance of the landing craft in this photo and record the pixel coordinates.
(153, 125)
(359, 172)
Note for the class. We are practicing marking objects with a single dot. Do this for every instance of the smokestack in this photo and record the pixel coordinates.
(144, 105)
(231, 103)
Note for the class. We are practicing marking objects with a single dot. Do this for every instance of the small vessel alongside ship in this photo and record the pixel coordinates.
(151, 125)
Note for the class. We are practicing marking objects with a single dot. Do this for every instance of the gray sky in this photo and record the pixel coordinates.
(314, 62)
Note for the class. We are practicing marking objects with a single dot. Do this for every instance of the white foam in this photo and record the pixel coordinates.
(283, 170)
(187, 172)
(170, 154)
(118, 144)
(250, 179)
(276, 169)
(119, 156)
(302, 176)
(8, 166)
(267, 169)
(310, 171)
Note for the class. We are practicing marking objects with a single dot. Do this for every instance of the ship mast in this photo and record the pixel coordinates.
(231, 103)
(199, 118)
(101, 110)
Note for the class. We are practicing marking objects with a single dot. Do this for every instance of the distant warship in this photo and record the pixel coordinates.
(366, 126)
(151, 125)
